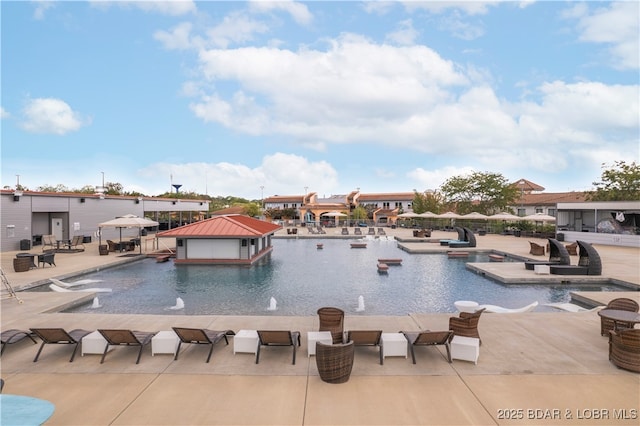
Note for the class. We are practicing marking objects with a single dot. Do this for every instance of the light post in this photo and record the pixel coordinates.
(522, 183)
(262, 196)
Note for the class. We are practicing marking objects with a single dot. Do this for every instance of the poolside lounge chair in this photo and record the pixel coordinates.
(278, 338)
(589, 262)
(14, 336)
(200, 336)
(357, 231)
(536, 249)
(332, 319)
(345, 231)
(366, 338)
(59, 336)
(624, 349)
(125, 337)
(381, 231)
(428, 338)
(621, 304)
(335, 362)
(371, 231)
(466, 324)
(76, 242)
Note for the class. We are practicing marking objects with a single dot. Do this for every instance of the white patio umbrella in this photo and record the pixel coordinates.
(126, 221)
(428, 215)
(408, 215)
(540, 217)
(335, 214)
(474, 215)
(504, 216)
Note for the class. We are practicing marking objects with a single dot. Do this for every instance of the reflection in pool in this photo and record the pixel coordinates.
(302, 278)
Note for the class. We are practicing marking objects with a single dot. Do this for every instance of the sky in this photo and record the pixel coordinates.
(255, 99)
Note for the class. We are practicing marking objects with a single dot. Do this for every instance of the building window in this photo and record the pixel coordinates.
(552, 212)
(385, 205)
(539, 210)
(522, 212)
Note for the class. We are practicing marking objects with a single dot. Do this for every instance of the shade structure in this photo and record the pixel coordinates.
(409, 215)
(474, 215)
(448, 215)
(428, 215)
(127, 221)
(504, 216)
(334, 214)
(540, 217)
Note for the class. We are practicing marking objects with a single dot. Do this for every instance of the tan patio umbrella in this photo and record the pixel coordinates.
(126, 221)
(504, 216)
(335, 214)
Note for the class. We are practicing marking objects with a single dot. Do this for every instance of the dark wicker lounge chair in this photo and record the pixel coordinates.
(621, 304)
(14, 336)
(200, 336)
(59, 336)
(126, 338)
(428, 338)
(335, 362)
(366, 338)
(589, 262)
(466, 324)
(624, 349)
(49, 258)
(278, 338)
(332, 319)
(470, 237)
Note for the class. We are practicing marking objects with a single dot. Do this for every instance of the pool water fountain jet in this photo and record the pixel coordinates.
(179, 304)
(96, 303)
(272, 304)
(360, 304)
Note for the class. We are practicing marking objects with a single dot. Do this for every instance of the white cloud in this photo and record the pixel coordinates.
(405, 35)
(617, 26)
(178, 38)
(163, 7)
(476, 7)
(279, 173)
(41, 7)
(49, 115)
(298, 11)
(235, 28)
(4, 113)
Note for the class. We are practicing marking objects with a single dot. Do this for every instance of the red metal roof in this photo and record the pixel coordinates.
(224, 226)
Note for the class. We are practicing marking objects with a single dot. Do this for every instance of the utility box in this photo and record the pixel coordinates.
(25, 244)
(560, 236)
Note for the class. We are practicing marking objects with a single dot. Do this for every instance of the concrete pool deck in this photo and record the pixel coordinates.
(534, 368)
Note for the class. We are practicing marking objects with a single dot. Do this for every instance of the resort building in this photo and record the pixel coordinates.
(28, 215)
(230, 239)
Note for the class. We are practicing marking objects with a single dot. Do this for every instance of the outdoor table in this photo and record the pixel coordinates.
(24, 410)
(29, 255)
(616, 315)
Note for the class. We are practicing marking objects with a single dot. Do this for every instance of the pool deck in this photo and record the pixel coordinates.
(534, 368)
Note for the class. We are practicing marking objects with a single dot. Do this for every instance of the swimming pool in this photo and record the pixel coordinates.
(302, 278)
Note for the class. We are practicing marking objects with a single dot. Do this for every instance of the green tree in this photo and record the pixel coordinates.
(428, 201)
(619, 182)
(359, 213)
(483, 192)
(50, 188)
(252, 210)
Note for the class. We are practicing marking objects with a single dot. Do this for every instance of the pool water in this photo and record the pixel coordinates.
(302, 278)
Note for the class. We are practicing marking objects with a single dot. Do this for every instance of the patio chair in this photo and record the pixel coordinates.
(76, 242)
(201, 336)
(332, 319)
(278, 338)
(624, 349)
(536, 249)
(60, 336)
(45, 258)
(466, 324)
(49, 241)
(14, 336)
(335, 362)
(428, 338)
(558, 256)
(620, 304)
(572, 248)
(125, 337)
(366, 338)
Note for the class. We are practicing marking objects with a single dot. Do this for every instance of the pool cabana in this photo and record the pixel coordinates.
(224, 240)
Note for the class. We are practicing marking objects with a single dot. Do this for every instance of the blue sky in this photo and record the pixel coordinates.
(228, 97)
